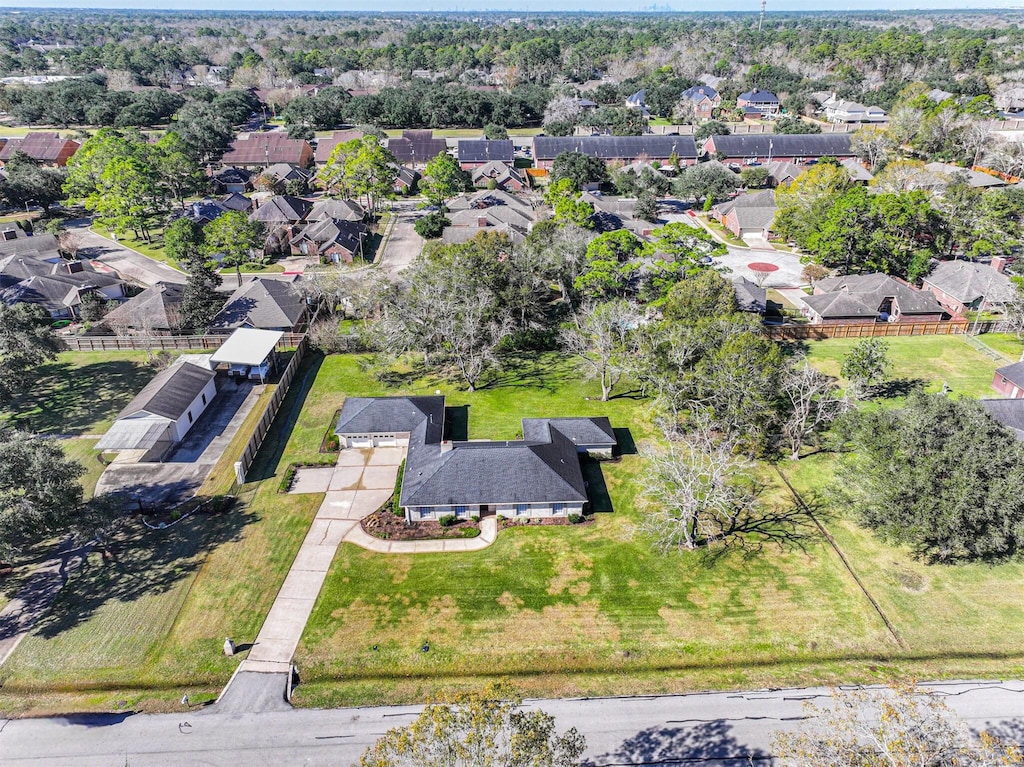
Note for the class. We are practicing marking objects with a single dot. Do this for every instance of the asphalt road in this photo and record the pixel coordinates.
(713, 730)
(128, 263)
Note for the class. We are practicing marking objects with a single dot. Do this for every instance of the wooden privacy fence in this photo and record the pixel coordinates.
(252, 447)
(169, 343)
(877, 329)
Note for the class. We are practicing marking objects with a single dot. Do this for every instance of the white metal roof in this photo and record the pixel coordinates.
(135, 433)
(247, 346)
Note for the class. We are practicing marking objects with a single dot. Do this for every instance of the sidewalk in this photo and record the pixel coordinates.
(488, 534)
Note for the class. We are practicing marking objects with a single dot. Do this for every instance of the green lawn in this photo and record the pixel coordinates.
(930, 360)
(562, 610)
(81, 392)
(1006, 344)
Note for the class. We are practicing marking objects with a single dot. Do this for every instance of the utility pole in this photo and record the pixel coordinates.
(760, 20)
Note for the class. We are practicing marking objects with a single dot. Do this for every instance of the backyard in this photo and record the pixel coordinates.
(586, 609)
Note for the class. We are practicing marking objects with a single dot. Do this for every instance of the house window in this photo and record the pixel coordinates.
(204, 398)
(460, 511)
(556, 508)
(190, 416)
(521, 508)
(424, 512)
(1002, 379)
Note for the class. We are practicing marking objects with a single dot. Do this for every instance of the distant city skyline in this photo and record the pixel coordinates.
(513, 6)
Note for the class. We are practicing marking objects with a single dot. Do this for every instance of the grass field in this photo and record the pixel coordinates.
(562, 610)
(1006, 344)
(930, 361)
(81, 392)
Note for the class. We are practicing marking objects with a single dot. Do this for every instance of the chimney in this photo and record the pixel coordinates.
(74, 267)
(446, 447)
(999, 263)
(481, 222)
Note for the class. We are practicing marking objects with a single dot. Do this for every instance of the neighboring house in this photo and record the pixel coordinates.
(839, 110)
(858, 173)
(41, 247)
(416, 148)
(265, 305)
(282, 209)
(586, 105)
(638, 101)
(282, 173)
(499, 175)
(704, 98)
(781, 172)
(47, 149)
(612, 213)
(488, 210)
(201, 211)
(764, 104)
(869, 298)
(749, 213)
(237, 202)
(938, 95)
(763, 148)
(231, 180)
(332, 239)
(162, 413)
(478, 152)
(622, 150)
(406, 180)
(944, 173)
(1009, 380)
(56, 287)
(154, 311)
(340, 210)
(535, 477)
(325, 146)
(964, 285)
(1008, 412)
(749, 296)
(261, 150)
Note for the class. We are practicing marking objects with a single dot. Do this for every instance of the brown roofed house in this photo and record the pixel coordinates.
(264, 149)
(46, 148)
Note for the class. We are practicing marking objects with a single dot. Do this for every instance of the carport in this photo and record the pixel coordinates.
(251, 348)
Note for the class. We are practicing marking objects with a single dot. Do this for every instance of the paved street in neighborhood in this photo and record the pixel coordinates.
(712, 730)
(127, 262)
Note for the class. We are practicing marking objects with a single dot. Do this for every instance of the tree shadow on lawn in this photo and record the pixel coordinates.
(769, 529)
(707, 743)
(898, 387)
(269, 456)
(70, 400)
(142, 562)
(531, 372)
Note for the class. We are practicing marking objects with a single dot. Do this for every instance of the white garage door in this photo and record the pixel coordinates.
(360, 442)
(385, 442)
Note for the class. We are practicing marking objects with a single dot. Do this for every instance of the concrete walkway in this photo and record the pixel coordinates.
(361, 482)
(488, 533)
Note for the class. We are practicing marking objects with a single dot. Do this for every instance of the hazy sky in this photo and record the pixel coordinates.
(517, 5)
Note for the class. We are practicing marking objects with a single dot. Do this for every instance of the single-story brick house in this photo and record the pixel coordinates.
(749, 213)
(534, 477)
(1009, 380)
(869, 298)
(964, 285)
(261, 150)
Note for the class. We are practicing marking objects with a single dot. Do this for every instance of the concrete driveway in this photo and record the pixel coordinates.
(404, 245)
(359, 484)
(181, 475)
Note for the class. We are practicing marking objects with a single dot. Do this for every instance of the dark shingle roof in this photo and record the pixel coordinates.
(343, 210)
(616, 147)
(784, 145)
(263, 304)
(750, 297)
(331, 231)
(967, 281)
(416, 147)
(699, 92)
(484, 150)
(862, 296)
(1009, 412)
(1013, 373)
(757, 96)
(282, 209)
(385, 415)
(579, 431)
(157, 307)
(42, 246)
(170, 392)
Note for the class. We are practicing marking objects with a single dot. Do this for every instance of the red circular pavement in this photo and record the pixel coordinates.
(761, 266)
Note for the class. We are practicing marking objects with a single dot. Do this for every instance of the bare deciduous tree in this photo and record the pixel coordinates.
(598, 335)
(896, 727)
(815, 402)
(697, 489)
